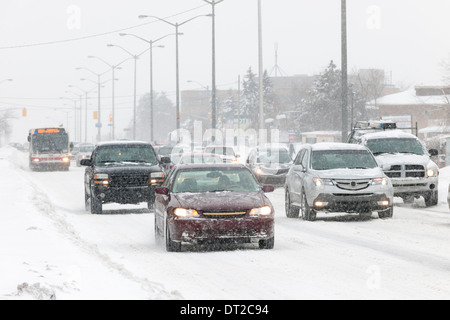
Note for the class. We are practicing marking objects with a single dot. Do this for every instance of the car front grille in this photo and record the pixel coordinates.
(225, 214)
(348, 184)
(129, 180)
(406, 171)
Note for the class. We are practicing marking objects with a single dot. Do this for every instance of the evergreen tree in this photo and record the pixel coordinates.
(322, 105)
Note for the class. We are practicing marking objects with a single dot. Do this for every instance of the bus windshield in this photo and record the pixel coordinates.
(50, 143)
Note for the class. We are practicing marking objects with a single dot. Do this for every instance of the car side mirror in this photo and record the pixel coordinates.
(165, 160)
(71, 146)
(299, 167)
(433, 152)
(268, 188)
(86, 162)
(162, 190)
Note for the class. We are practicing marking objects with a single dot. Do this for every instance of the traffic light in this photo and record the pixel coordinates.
(24, 112)
(110, 117)
(95, 115)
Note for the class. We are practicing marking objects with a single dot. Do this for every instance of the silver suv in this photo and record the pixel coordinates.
(337, 177)
(406, 161)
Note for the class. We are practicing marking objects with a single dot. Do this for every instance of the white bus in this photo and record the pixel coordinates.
(49, 149)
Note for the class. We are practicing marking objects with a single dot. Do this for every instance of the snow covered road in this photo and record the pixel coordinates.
(53, 249)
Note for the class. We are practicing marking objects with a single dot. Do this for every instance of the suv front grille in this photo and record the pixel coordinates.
(129, 180)
(352, 184)
(406, 171)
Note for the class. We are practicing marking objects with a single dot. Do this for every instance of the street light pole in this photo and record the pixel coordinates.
(150, 42)
(99, 124)
(261, 75)
(213, 85)
(135, 57)
(344, 70)
(176, 25)
(113, 68)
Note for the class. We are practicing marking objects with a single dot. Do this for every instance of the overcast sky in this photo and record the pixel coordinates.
(43, 42)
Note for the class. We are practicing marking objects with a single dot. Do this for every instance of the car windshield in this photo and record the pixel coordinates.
(269, 156)
(341, 159)
(395, 145)
(215, 180)
(125, 153)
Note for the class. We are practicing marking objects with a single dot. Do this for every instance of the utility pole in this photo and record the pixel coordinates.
(261, 75)
(344, 83)
(213, 86)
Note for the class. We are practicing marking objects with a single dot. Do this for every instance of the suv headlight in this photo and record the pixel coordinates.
(101, 178)
(432, 170)
(156, 177)
(323, 182)
(380, 181)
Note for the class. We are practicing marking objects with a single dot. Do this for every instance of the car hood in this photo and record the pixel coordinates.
(221, 200)
(127, 167)
(402, 158)
(350, 173)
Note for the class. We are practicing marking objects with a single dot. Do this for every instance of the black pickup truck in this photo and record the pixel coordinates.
(124, 172)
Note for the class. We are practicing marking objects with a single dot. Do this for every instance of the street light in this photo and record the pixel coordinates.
(150, 42)
(135, 57)
(113, 67)
(99, 124)
(176, 25)
(85, 108)
(74, 115)
(213, 86)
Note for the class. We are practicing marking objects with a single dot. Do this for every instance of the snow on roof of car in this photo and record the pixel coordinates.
(337, 146)
(388, 134)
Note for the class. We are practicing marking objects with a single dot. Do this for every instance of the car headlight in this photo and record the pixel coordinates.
(185, 213)
(263, 211)
(258, 171)
(432, 170)
(380, 181)
(323, 182)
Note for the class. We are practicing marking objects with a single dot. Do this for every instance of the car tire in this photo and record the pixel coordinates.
(267, 244)
(308, 214)
(171, 246)
(387, 213)
(431, 198)
(96, 205)
(291, 211)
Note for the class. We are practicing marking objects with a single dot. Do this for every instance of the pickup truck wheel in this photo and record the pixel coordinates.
(96, 205)
(291, 211)
(308, 213)
(431, 198)
(86, 201)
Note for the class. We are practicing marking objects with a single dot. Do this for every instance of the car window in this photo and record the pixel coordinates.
(124, 154)
(340, 159)
(298, 159)
(304, 160)
(268, 156)
(395, 145)
(214, 180)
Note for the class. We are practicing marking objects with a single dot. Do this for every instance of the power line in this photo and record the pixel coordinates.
(93, 35)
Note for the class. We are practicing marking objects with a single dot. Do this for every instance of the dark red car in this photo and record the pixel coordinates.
(206, 203)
